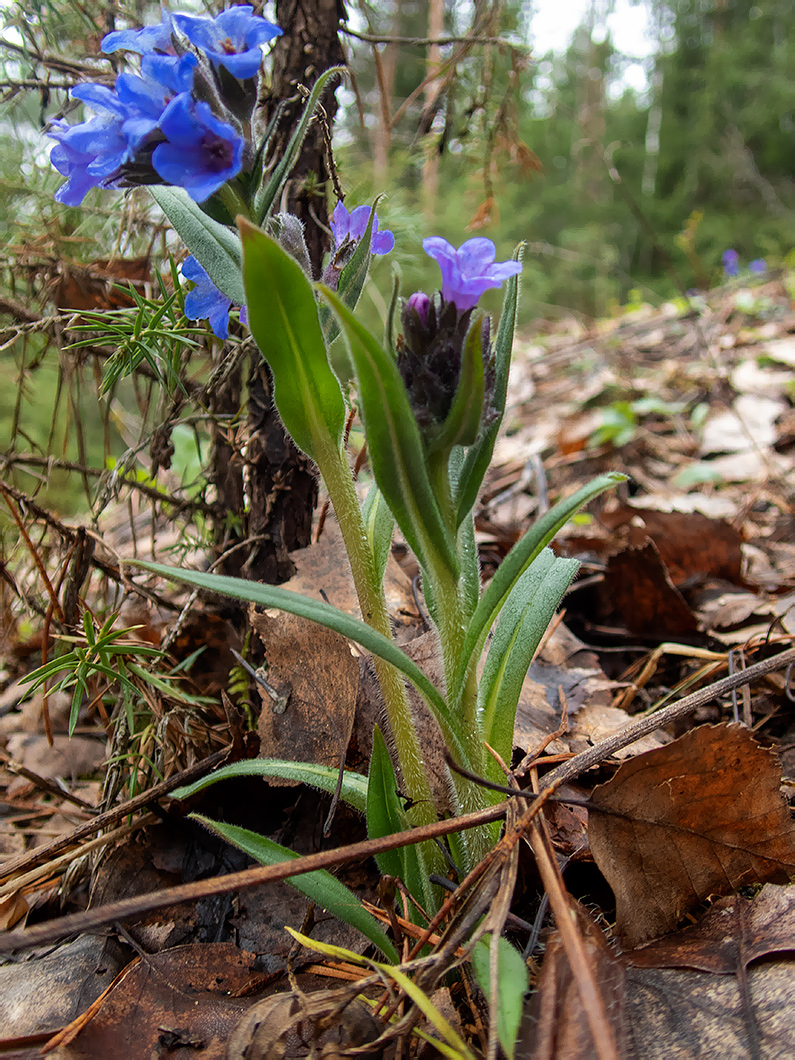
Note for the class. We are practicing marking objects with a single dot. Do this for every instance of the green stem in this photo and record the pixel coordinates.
(342, 491)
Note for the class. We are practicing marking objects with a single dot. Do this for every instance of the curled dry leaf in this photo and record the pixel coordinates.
(701, 816)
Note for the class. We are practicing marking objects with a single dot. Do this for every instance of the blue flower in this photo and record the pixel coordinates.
(470, 270)
(88, 154)
(201, 153)
(205, 301)
(353, 225)
(146, 40)
(758, 266)
(731, 262)
(233, 39)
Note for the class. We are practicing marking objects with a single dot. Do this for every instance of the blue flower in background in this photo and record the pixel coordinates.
(758, 267)
(731, 262)
(353, 225)
(143, 41)
(205, 301)
(201, 153)
(233, 39)
(470, 270)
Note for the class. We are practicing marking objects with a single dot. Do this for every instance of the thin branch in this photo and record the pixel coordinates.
(372, 38)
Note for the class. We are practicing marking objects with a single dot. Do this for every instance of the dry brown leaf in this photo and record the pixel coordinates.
(701, 816)
(638, 591)
(734, 932)
(188, 999)
(317, 675)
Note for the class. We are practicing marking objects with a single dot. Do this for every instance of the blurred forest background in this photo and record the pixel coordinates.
(628, 175)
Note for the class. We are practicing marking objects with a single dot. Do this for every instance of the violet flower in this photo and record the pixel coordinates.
(148, 40)
(470, 270)
(353, 225)
(758, 267)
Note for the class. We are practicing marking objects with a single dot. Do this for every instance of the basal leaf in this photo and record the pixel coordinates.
(319, 886)
(353, 790)
(512, 985)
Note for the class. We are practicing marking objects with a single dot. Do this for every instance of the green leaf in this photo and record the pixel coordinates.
(396, 449)
(479, 455)
(319, 886)
(215, 247)
(523, 621)
(282, 313)
(463, 420)
(316, 611)
(433, 1015)
(379, 522)
(512, 985)
(385, 816)
(353, 790)
(515, 564)
(270, 192)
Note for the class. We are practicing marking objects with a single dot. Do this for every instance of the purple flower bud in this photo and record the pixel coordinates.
(421, 304)
(470, 270)
(731, 262)
(758, 266)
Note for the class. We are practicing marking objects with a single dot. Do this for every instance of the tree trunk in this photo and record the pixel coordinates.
(281, 482)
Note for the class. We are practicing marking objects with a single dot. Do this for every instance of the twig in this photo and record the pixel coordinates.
(424, 42)
(594, 755)
(92, 919)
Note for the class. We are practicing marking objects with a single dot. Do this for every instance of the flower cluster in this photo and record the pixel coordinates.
(168, 125)
(435, 329)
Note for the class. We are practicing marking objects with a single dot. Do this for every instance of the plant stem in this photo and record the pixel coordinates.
(342, 491)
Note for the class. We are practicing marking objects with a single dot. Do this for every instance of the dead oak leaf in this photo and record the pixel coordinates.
(700, 816)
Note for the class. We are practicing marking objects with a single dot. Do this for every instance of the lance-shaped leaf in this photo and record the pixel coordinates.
(319, 886)
(385, 816)
(396, 449)
(523, 620)
(478, 456)
(282, 314)
(514, 565)
(325, 615)
(353, 789)
(270, 191)
(215, 247)
(462, 424)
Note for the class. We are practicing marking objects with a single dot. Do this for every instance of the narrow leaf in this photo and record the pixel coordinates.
(215, 247)
(283, 319)
(319, 886)
(512, 985)
(316, 611)
(523, 621)
(385, 816)
(271, 191)
(463, 420)
(379, 522)
(515, 564)
(353, 790)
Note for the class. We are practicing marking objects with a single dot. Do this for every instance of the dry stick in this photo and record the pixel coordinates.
(92, 919)
(594, 755)
(581, 968)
